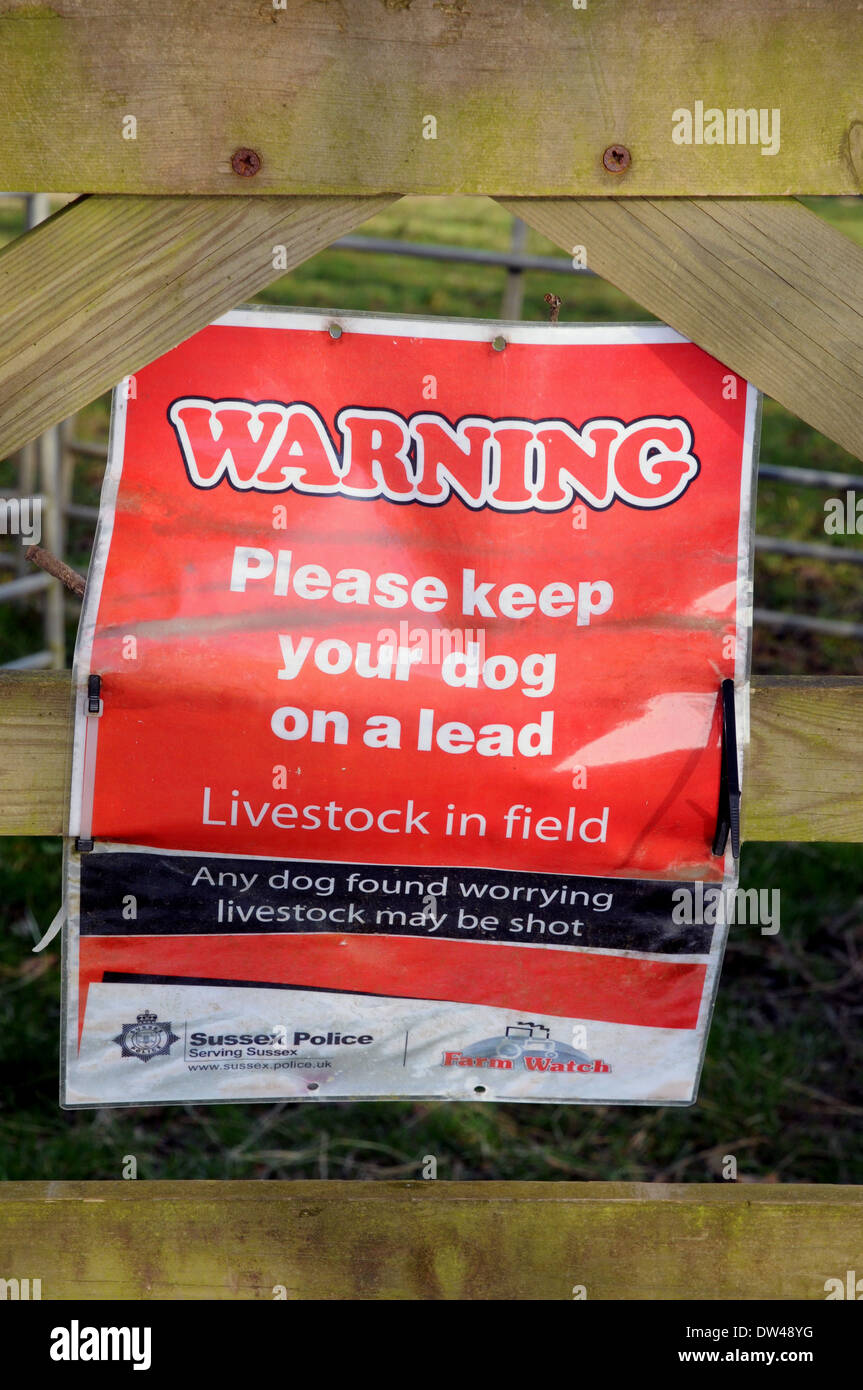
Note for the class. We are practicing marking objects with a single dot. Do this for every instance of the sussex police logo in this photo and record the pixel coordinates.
(147, 1038)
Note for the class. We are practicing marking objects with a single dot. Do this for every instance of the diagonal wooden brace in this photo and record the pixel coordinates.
(762, 284)
(110, 283)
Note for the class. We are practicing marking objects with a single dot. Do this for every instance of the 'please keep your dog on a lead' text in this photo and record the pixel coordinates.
(463, 667)
(534, 675)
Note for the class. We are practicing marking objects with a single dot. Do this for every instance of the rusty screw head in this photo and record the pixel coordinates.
(245, 162)
(617, 158)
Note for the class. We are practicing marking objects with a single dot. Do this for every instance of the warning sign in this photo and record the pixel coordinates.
(398, 714)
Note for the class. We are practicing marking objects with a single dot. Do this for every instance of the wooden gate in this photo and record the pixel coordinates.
(673, 153)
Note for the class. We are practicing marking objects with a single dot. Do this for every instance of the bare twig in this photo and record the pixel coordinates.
(44, 560)
(554, 302)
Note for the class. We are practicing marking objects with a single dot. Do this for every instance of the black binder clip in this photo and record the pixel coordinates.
(728, 818)
(94, 695)
(95, 707)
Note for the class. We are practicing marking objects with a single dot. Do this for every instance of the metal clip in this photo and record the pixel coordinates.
(728, 816)
(95, 704)
(95, 707)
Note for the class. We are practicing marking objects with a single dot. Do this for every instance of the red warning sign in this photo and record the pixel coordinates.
(403, 597)
(397, 596)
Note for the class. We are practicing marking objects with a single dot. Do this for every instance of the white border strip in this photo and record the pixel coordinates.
(81, 662)
(458, 330)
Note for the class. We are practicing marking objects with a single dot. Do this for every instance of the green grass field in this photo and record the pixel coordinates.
(781, 1089)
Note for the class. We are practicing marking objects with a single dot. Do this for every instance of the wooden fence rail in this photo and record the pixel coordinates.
(487, 97)
(803, 781)
(429, 1240)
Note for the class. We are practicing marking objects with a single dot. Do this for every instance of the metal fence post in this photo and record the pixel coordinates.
(513, 292)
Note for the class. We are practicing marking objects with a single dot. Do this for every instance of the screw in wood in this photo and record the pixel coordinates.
(616, 159)
(246, 163)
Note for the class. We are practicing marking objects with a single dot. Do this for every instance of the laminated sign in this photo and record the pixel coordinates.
(399, 715)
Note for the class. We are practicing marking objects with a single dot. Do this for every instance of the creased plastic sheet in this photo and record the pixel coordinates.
(405, 776)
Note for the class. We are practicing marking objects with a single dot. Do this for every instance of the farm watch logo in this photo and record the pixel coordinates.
(528, 1045)
(147, 1038)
